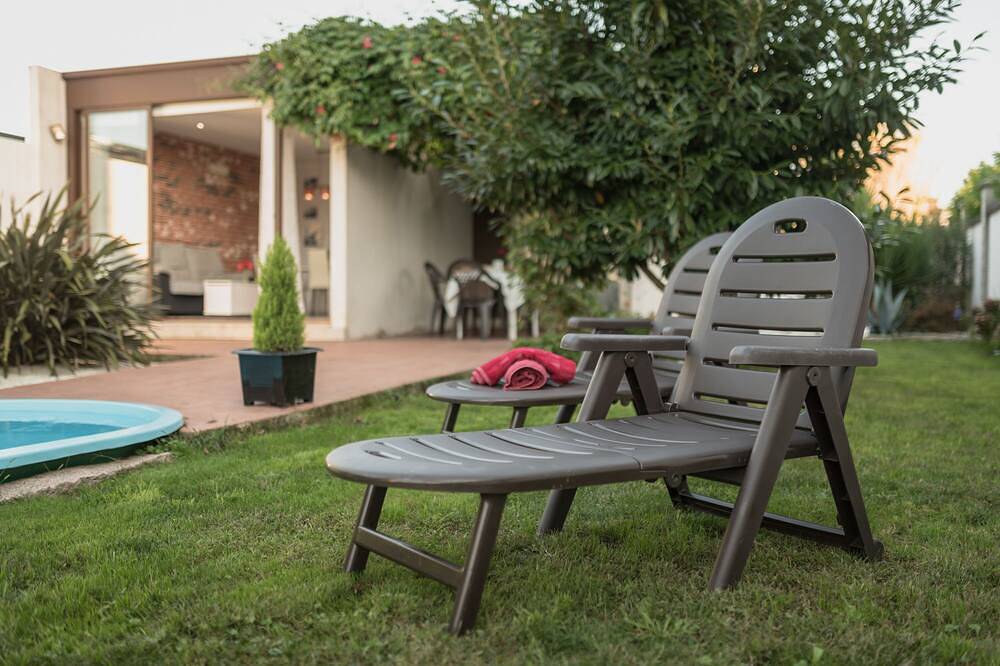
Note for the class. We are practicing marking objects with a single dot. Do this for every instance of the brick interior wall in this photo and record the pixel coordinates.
(205, 195)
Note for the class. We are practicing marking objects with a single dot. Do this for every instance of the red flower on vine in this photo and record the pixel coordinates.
(393, 138)
(441, 70)
(366, 43)
(320, 110)
(416, 60)
(279, 66)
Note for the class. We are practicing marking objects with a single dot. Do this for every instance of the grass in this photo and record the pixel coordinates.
(232, 553)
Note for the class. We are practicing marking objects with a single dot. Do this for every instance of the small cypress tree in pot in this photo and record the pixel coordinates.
(279, 370)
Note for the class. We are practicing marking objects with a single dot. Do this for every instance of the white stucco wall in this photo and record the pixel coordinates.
(993, 257)
(386, 221)
(47, 97)
(985, 251)
(640, 296)
(974, 238)
(39, 163)
(15, 173)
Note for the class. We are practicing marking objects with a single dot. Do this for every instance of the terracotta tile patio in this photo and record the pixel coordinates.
(207, 390)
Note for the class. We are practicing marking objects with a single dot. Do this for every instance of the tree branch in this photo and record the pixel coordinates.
(647, 271)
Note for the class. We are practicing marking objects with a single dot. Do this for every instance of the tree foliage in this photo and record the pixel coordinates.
(613, 135)
(278, 322)
(66, 297)
(967, 201)
(920, 256)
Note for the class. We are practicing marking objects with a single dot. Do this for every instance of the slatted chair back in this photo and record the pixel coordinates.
(682, 295)
(474, 283)
(437, 280)
(798, 274)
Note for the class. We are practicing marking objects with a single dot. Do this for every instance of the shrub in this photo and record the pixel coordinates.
(66, 297)
(613, 135)
(936, 313)
(887, 309)
(278, 322)
(987, 321)
(920, 255)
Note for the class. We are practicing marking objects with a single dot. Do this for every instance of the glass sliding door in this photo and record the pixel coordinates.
(117, 185)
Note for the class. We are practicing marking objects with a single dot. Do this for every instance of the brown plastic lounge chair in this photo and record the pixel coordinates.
(788, 291)
(676, 312)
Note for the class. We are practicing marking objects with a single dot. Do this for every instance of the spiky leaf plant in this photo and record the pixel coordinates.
(887, 309)
(278, 322)
(66, 297)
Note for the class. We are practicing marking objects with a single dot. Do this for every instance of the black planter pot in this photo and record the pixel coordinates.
(277, 378)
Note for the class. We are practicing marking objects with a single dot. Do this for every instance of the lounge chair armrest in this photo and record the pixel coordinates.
(609, 323)
(595, 342)
(676, 330)
(824, 357)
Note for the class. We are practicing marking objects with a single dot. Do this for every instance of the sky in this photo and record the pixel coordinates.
(961, 126)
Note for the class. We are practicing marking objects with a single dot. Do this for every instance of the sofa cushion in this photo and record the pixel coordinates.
(170, 258)
(204, 262)
(186, 287)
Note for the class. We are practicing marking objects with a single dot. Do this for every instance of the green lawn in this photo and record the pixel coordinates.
(233, 551)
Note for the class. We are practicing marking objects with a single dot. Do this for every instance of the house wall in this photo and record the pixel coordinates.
(974, 238)
(205, 195)
(993, 257)
(38, 163)
(387, 223)
(47, 96)
(15, 177)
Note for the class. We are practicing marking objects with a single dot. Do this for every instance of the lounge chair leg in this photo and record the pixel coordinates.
(565, 413)
(450, 416)
(835, 451)
(603, 389)
(761, 472)
(477, 562)
(556, 510)
(371, 510)
(518, 417)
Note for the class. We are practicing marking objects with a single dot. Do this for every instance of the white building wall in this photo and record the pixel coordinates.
(39, 163)
(640, 296)
(15, 174)
(974, 238)
(392, 220)
(47, 97)
(993, 257)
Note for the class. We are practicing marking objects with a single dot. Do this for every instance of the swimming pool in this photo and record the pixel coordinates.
(38, 435)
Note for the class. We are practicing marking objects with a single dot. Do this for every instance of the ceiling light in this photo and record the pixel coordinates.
(199, 125)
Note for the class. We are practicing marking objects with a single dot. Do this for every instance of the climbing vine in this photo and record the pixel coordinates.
(610, 136)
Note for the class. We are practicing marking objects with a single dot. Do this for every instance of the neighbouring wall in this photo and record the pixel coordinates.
(15, 173)
(392, 221)
(992, 251)
(38, 162)
(205, 195)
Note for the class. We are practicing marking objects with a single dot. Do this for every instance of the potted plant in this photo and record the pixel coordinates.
(278, 370)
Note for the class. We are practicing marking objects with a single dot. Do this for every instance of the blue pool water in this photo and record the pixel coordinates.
(45, 434)
(19, 433)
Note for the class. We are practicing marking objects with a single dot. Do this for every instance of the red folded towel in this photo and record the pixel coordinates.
(560, 368)
(525, 375)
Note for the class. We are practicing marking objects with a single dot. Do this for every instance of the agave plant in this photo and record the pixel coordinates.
(68, 297)
(886, 312)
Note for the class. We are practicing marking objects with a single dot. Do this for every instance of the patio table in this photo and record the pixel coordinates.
(513, 300)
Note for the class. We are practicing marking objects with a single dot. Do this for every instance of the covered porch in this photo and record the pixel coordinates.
(201, 179)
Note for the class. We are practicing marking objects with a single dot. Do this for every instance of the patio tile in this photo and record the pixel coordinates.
(207, 390)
